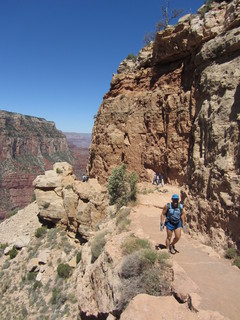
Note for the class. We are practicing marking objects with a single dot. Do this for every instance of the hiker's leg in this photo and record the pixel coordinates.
(177, 233)
(169, 237)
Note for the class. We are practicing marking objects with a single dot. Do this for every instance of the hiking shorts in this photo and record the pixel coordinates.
(172, 227)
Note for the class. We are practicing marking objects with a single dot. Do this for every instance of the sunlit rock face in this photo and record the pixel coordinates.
(175, 109)
(28, 146)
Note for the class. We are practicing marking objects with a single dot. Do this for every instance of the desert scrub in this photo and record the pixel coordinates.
(97, 245)
(132, 57)
(122, 186)
(236, 262)
(122, 221)
(13, 252)
(133, 243)
(58, 297)
(59, 170)
(12, 213)
(231, 253)
(141, 272)
(79, 257)
(41, 232)
(64, 270)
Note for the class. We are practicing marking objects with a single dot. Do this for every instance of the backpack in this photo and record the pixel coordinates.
(174, 214)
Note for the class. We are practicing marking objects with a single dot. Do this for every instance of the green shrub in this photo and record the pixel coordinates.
(236, 262)
(41, 232)
(11, 213)
(59, 170)
(230, 253)
(98, 245)
(134, 244)
(64, 270)
(33, 197)
(3, 246)
(31, 276)
(150, 255)
(132, 57)
(134, 264)
(37, 284)
(13, 252)
(122, 186)
(163, 259)
(79, 257)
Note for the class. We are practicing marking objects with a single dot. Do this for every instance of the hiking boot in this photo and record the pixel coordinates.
(172, 249)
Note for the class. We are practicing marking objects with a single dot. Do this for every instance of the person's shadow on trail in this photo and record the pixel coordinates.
(160, 246)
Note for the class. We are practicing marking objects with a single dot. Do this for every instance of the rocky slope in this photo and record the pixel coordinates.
(28, 146)
(110, 261)
(176, 110)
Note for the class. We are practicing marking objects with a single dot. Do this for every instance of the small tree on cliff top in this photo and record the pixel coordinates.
(122, 186)
(167, 15)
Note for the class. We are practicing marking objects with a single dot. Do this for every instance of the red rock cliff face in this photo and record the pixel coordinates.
(28, 147)
(176, 110)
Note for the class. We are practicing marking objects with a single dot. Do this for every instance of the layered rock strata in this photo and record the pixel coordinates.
(176, 110)
(28, 146)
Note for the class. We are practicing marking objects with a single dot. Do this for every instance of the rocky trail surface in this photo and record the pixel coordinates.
(212, 282)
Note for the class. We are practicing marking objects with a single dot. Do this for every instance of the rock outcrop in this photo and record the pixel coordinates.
(28, 146)
(77, 206)
(176, 110)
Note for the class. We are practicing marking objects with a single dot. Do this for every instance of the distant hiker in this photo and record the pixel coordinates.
(155, 179)
(84, 178)
(173, 218)
(160, 179)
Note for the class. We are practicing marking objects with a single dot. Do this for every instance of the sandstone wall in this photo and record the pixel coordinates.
(28, 146)
(176, 110)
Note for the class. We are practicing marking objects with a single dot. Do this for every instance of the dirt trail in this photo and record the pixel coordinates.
(217, 280)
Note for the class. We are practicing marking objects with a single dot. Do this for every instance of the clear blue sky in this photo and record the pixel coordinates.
(57, 57)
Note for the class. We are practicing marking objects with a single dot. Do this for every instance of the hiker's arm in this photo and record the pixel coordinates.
(183, 217)
(163, 215)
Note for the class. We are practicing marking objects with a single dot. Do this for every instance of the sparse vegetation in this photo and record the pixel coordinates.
(231, 253)
(41, 232)
(97, 245)
(13, 252)
(167, 16)
(122, 186)
(12, 213)
(122, 221)
(79, 257)
(64, 270)
(133, 244)
(59, 171)
(143, 271)
(236, 261)
(132, 57)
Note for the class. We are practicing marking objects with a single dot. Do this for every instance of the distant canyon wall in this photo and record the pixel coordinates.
(176, 110)
(28, 147)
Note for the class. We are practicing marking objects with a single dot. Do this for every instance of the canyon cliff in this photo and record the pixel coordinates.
(28, 147)
(79, 144)
(176, 110)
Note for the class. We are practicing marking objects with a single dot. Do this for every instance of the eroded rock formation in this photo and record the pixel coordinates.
(176, 110)
(63, 200)
(28, 146)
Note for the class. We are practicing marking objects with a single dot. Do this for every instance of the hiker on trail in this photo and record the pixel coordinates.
(173, 218)
(155, 179)
(160, 179)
